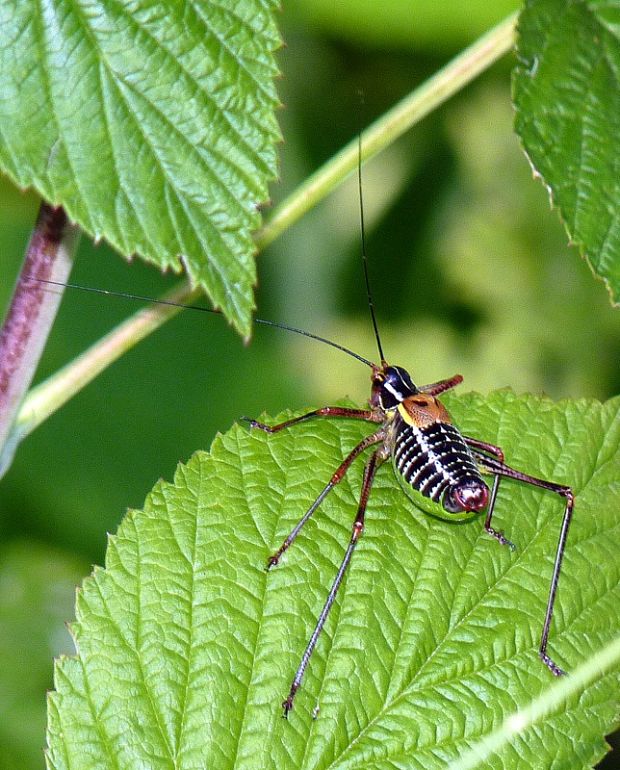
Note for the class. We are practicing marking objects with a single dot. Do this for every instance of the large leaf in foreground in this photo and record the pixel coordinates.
(152, 124)
(567, 99)
(187, 646)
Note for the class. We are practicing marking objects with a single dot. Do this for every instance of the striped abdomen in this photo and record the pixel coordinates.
(434, 460)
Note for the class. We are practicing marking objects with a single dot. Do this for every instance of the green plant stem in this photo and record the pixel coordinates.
(417, 105)
(54, 392)
(46, 398)
(552, 699)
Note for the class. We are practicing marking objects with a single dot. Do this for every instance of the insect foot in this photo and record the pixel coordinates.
(272, 561)
(287, 704)
(256, 424)
(500, 537)
(553, 667)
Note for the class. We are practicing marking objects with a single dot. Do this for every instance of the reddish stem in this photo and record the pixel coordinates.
(31, 314)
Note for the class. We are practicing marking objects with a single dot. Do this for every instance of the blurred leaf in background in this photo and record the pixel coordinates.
(421, 26)
(37, 589)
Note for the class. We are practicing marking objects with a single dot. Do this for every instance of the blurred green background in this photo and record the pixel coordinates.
(470, 269)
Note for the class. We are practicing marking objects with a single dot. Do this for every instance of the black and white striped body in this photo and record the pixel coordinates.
(431, 460)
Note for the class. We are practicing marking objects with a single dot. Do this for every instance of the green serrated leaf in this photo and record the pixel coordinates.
(567, 99)
(187, 645)
(152, 124)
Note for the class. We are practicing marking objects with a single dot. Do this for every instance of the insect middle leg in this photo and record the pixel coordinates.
(326, 411)
(336, 478)
(499, 468)
(358, 527)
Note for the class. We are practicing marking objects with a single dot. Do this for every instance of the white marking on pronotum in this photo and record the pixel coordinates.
(397, 394)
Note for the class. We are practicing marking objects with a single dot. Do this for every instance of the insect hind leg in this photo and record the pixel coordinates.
(435, 388)
(500, 469)
(479, 447)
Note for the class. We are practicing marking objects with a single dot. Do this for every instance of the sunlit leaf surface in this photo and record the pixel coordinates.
(567, 99)
(152, 124)
(187, 645)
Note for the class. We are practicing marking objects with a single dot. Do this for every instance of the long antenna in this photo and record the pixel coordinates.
(261, 321)
(364, 257)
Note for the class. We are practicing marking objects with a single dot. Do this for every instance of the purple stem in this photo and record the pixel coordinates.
(31, 314)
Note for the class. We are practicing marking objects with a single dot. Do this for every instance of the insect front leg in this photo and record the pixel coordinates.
(498, 468)
(373, 463)
(336, 478)
(326, 411)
